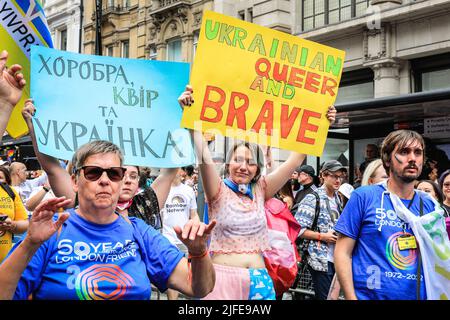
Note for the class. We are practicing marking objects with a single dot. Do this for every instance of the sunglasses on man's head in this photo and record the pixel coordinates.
(93, 173)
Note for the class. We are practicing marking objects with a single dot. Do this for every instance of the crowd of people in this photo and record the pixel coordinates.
(98, 215)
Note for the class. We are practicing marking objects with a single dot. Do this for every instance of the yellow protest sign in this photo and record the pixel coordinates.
(262, 85)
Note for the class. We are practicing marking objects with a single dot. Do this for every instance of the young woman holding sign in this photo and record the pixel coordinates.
(237, 203)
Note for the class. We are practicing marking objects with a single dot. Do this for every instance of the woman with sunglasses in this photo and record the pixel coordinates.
(92, 252)
(144, 205)
(237, 203)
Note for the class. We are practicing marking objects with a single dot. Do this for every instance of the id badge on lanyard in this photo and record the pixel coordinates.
(407, 241)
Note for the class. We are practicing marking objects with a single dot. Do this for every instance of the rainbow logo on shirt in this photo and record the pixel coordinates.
(89, 283)
(401, 259)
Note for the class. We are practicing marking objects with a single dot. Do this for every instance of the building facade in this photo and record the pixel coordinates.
(64, 21)
(145, 29)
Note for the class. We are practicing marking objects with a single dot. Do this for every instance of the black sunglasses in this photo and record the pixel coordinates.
(93, 173)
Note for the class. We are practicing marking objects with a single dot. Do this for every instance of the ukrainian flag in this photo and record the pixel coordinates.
(22, 24)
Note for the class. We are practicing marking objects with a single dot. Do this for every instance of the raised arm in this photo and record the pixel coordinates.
(36, 197)
(277, 178)
(58, 177)
(41, 228)
(11, 85)
(209, 175)
(280, 175)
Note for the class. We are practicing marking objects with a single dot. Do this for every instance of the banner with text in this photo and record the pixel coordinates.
(262, 85)
(132, 103)
(22, 24)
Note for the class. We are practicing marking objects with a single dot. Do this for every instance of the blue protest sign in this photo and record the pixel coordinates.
(132, 103)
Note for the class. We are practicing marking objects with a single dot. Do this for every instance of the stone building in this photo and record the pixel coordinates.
(146, 29)
(64, 21)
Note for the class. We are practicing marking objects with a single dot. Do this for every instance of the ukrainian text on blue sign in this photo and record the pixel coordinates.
(133, 103)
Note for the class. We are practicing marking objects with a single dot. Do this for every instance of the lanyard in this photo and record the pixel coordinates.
(409, 206)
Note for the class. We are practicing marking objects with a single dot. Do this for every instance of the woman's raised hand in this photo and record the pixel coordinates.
(42, 226)
(186, 98)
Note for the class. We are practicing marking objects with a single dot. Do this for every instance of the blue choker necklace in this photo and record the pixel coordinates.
(245, 189)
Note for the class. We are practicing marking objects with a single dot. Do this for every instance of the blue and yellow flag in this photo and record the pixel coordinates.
(22, 24)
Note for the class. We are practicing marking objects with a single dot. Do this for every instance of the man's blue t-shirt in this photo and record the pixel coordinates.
(92, 261)
(380, 270)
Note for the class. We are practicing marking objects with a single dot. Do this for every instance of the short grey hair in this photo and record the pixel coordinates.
(93, 148)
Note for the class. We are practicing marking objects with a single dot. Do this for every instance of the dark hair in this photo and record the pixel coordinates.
(189, 170)
(344, 199)
(436, 189)
(399, 139)
(286, 190)
(442, 178)
(7, 175)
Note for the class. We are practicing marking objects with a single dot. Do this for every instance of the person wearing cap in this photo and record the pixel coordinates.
(322, 237)
(335, 293)
(306, 175)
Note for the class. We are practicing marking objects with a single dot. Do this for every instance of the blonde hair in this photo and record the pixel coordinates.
(370, 171)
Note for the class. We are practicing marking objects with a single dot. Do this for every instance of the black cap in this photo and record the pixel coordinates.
(333, 165)
(306, 169)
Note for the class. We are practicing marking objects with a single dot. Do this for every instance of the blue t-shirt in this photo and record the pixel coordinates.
(380, 270)
(99, 261)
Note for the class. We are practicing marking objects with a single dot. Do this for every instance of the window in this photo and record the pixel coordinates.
(195, 42)
(109, 51)
(250, 15)
(431, 73)
(174, 50)
(125, 49)
(356, 86)
(153, 53)
(434, 80)
(336, 149)
(63, 40)
(317, 13)
(246, 15)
